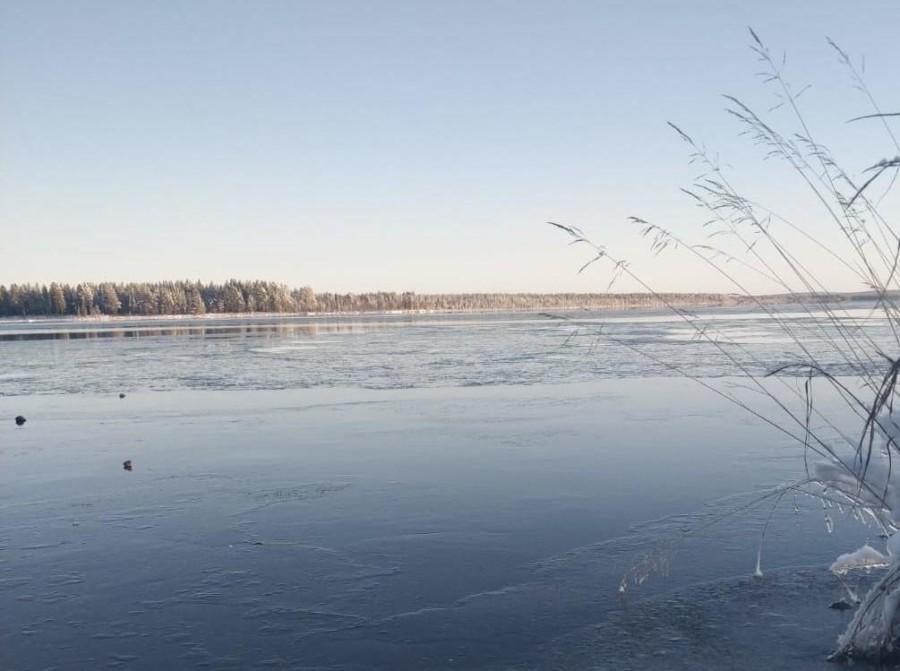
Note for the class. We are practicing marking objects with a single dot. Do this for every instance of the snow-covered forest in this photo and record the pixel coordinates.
(235, 296)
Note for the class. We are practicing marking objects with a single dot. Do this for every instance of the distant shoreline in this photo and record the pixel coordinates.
(652, 304)
(185, 298)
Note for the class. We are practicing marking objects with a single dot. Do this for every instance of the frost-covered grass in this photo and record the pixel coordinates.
(849, 466)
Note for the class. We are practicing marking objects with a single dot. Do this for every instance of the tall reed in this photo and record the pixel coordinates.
(851, 466)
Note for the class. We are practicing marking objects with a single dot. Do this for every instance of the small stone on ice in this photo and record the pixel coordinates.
(126, 464)
(20, 420)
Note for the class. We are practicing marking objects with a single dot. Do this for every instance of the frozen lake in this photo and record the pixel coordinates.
(457, 492)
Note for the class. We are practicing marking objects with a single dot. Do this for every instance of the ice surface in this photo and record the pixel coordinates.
(389, 351)
(781, 622)
(366, 529)
(471, 512)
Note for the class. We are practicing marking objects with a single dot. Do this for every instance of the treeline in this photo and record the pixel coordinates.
(234, 296)
(152, 298)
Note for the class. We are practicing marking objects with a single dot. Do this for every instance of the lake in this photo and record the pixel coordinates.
(408, 492)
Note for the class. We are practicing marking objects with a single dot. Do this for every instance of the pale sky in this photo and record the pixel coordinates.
(400, 145)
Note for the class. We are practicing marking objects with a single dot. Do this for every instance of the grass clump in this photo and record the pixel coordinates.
(850, 465)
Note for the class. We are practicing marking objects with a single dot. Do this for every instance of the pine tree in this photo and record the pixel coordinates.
(57, 300)
(195, 301)
(109, 300)
(85, 299)
(233, 299)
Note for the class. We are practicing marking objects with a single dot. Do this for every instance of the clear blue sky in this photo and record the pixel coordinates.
(394, 145)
